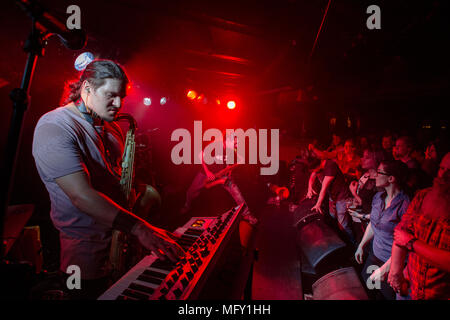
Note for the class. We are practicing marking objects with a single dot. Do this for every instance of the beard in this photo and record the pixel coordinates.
(436, 203)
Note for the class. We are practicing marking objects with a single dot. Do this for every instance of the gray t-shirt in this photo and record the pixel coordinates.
(65, 143)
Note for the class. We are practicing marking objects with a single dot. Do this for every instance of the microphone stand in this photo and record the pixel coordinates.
(34, 46)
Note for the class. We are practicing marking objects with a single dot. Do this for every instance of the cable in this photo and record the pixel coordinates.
(320, 28)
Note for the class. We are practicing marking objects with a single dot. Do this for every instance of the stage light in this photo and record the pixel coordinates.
(163, 101)
(147, 101)
(201, 98)
(191, 94)
(128, 89)
(83, 60)
(218, 101)
(231, 104)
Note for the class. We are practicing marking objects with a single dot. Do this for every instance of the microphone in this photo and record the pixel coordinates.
(48, 24)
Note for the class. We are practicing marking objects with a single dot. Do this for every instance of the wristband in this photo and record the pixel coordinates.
(124, 222)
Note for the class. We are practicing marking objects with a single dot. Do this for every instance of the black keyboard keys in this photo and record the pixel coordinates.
(149, 279)
(139, 287)
(135, 294)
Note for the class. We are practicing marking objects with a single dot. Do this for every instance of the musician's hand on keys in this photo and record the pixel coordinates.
(160, 241)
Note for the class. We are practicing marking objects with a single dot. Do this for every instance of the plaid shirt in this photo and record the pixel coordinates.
(427, 281)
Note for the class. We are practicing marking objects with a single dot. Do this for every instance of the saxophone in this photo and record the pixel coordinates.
(119, 257)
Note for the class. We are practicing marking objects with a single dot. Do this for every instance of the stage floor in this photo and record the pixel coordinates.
(276, 274)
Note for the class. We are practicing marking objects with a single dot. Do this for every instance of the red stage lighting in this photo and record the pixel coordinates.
(231, 104)
(201, 97)
(191, 94)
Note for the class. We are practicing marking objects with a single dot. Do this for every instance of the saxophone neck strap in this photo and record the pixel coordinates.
(89, 115)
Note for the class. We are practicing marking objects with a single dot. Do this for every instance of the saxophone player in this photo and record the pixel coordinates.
(77, 150)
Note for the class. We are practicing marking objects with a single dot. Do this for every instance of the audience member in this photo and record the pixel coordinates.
(388, 206)
(433, 156)
(332, 183)
(336, 143)
(424, 233)
(331, 152)
(346, 158)
(417, 178)
(402, 151)
(363, 192)
(348, 161)
(387, 144)
(363, 144)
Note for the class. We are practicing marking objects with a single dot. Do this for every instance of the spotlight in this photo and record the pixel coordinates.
(163, 101)
(147, 101)
(231, 104)
(191, 94)
(201, 98)
(83, 60)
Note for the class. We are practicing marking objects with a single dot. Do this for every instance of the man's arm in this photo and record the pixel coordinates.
(395, 277)
(437, 257)
(97, 205)
(323, 154)
(325, 184)
(312, 179)
(208, 173)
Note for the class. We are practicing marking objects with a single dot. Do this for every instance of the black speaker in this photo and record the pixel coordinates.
(321, 249)
(341, 284)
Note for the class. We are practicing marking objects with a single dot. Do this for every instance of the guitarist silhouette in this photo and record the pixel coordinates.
(219, 174)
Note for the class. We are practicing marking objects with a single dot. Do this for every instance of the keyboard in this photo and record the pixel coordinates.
(204, 240)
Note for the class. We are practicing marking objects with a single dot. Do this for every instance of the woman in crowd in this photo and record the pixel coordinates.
(388, 206)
